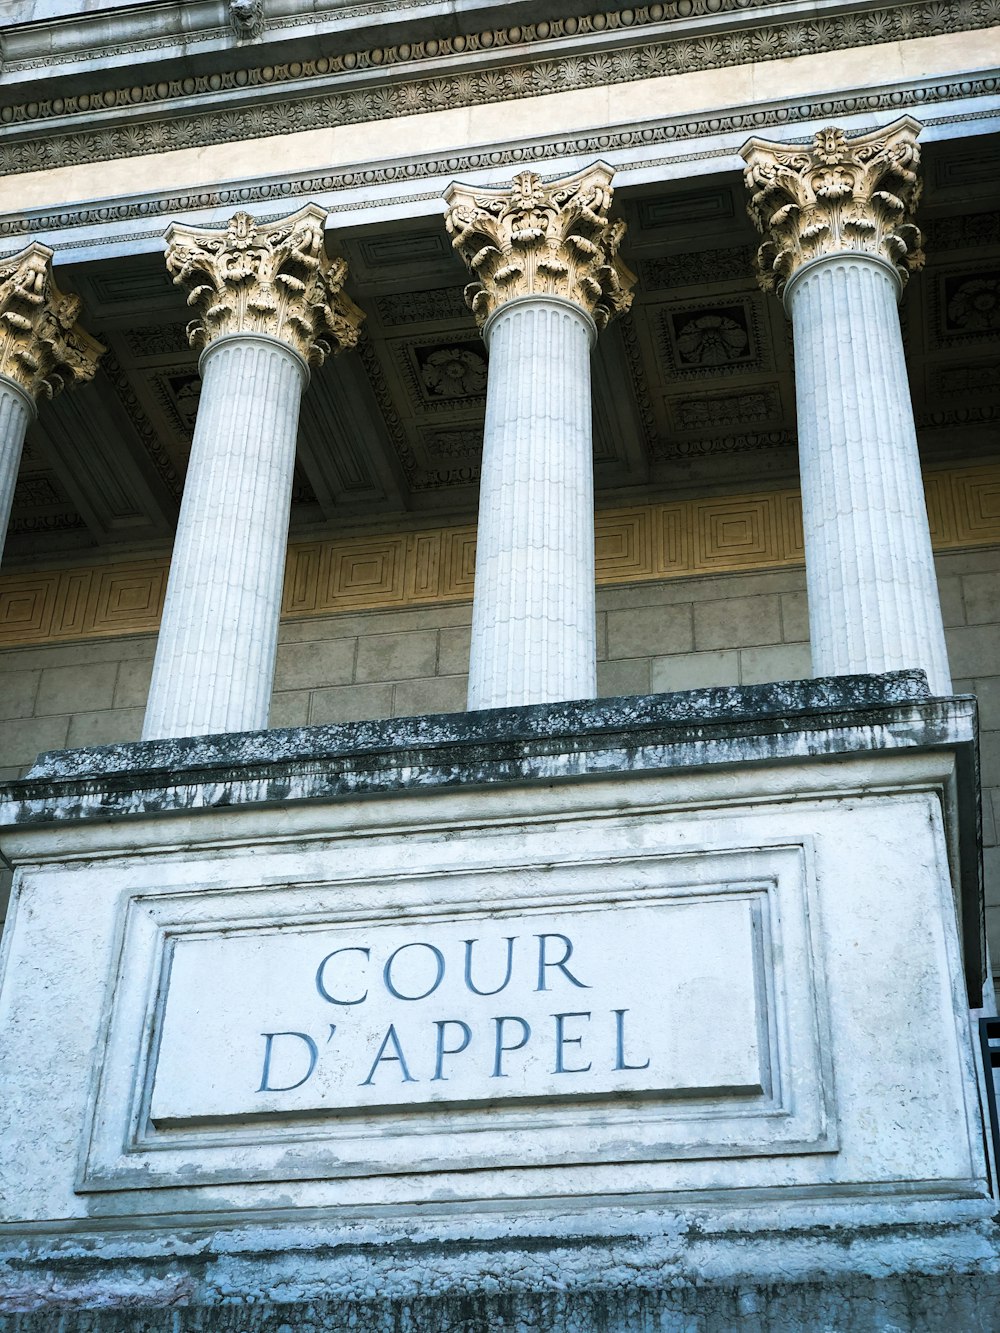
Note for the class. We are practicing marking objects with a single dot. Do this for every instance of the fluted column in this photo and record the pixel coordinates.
(42, 350)
(271, 304)
(533, 621)
(548, 277)
(839, 245)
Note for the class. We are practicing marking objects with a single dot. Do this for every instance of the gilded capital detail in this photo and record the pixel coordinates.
(274, 279)
(42, 347)
(542, 239)
(835, 196)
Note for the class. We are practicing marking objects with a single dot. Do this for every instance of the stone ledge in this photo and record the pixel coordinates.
(780, 723)
(780, 705)
(914, 1279)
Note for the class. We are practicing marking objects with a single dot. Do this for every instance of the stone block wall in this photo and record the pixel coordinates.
(672, 635)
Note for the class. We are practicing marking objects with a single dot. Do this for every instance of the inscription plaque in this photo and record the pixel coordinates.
(620, 999)
(636, 1004)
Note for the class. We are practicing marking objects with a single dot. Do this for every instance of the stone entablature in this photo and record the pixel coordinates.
(834, 196)
(43, 349)
(565, 53)
(274, 279)
(542, 239)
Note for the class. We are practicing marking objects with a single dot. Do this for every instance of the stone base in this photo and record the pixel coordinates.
(264, 1067)
(671, 1271)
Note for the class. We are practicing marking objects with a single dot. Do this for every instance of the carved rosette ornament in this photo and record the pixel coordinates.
(274, 280)
(42, 347)
(542, 239)
(835, 196)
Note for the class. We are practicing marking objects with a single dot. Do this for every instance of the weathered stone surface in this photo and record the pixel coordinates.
(712, 708)
(356, 1219)
(917, 1303)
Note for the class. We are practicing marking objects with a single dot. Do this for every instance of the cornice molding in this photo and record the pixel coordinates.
(216, 29)
(375, 176)
(392, 99)
(353, 56)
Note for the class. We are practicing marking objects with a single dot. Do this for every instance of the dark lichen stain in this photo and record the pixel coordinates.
(541, 742)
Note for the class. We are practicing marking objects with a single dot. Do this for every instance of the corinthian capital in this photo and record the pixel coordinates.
(273, 279)
(42, 347)
(540, 239)
(833, 196)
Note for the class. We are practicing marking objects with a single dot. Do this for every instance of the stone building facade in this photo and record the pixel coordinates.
(466, 482)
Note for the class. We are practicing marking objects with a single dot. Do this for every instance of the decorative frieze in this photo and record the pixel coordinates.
(42, 347)
(835, 196)
(554, 70)
(372, 173)
(274, 279)
(674, 539)
(538, 239)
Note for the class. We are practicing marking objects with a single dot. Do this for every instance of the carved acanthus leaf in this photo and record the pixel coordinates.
(835, 195)
(42, 347)
(542, 239)
(273, 279)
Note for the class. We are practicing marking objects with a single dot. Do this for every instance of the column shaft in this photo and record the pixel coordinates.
(214, 666)
(873, 596)
(16, 411)
(533, 620)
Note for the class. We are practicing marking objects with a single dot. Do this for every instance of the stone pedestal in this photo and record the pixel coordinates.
(837, 218)
(572, 1016)
(533, 619)
(270, 304)
(547, 278)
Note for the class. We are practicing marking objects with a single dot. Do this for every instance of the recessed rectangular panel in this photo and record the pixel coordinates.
(534, 1005)
(625, 1004)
